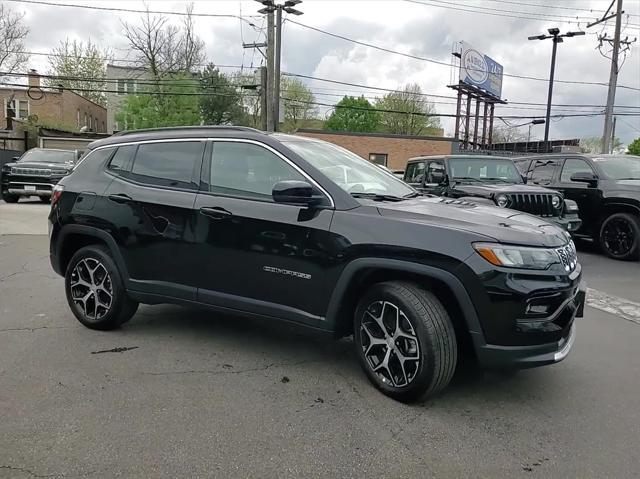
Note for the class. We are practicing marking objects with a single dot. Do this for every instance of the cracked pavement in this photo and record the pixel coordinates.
(189, 393)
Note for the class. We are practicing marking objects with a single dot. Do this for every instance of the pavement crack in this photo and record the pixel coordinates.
(28, 471)
(23, 269)
(227, 370)
(115, 350)
(8, 330)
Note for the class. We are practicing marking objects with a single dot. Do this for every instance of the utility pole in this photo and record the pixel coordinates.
(554, 34)
(263, 99)
(613, 135)
(274, 52)
(613, 82)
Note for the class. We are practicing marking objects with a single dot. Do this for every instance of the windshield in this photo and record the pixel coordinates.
(49, 156)
(623, 167)
(349, 171)
(484, 170)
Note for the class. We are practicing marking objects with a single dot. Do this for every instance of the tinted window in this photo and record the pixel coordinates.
(625, 167)
(435, 172)
(574, 165)
(246, 169)
(542, 171)
(167, 164)
(120, 161)
(415, 172)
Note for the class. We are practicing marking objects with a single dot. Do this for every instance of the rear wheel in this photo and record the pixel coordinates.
(95, 292)
(620, 236)
(405, 340)
(9, 198)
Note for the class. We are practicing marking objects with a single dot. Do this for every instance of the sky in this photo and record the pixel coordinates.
(424, 28)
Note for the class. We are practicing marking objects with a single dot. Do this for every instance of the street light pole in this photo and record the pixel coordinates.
(554, 34)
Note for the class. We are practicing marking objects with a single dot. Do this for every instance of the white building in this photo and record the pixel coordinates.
(121, 80)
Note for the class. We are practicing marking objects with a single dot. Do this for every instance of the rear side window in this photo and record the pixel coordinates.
(173, 164)
(541, 171)
(122, 159)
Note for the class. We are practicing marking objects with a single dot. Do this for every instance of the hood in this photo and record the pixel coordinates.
(500, 224)
(41, 164)
(489, 189)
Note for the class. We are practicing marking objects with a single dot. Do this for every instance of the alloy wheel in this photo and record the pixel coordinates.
(618, 236)
(91, 288)
(390, 344)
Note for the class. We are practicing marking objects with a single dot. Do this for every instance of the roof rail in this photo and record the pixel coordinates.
(187, 128)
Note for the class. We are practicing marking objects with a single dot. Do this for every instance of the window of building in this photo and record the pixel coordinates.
(574, 165)
(16, 109)
(378, 158)
(542, 173)
(244, 169)
(78, 118)
(121, 86)
(168, 164)
(131, 87)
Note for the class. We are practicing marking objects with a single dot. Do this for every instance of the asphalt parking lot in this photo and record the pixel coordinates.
(188, 393)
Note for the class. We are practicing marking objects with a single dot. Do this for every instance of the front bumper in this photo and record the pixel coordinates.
(492, 356)
(568, 223)
(27, 187)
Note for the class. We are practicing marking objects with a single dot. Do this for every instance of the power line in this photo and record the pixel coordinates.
(438, 62)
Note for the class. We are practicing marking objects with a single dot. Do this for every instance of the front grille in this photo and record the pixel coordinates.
(568, 256)
(536, 204)
(17, 170)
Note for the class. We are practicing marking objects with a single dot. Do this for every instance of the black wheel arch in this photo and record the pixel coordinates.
(73, 237)
(363, 272)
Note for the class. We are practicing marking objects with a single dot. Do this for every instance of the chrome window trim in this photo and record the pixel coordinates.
(217, 139)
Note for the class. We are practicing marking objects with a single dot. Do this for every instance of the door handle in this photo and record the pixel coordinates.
(215, 212)
(120, 198)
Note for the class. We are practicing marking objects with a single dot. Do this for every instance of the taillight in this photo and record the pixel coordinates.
(56, 194)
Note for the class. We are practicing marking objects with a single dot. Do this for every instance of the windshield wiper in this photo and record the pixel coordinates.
(503, 180)
(377, 197)
(466, 178)
(414, 194)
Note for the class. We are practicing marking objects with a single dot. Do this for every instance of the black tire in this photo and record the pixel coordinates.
(107, 313)
(9, 198)
(620, 236)
(45, 199)
(436, 357)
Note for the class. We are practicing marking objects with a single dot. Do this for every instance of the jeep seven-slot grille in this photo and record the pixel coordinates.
(536, 204)
(17, 170)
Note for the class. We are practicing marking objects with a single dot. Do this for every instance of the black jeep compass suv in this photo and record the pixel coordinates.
(285, 227)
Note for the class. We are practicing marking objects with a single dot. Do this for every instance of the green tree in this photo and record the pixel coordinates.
(593, 144)
(82, 65)
(634, 147)
(298, 104)
(173, 102)
(221, 104)
(353, 114)
(415, 108)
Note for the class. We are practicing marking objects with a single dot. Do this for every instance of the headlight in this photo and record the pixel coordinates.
(60, 172)
(6, 169)
(502, 201)
(517, 256)
(556, 201)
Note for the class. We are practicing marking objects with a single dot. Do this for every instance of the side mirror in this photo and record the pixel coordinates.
(585, 177)
(295, 192)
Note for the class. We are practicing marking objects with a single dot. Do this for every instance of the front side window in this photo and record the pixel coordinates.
(168, 163)
(620, 167)
(572, 166)
(245, 169)
(350, 172)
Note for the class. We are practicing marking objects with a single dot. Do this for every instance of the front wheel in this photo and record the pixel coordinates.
(9, 198)
(95, 292)
(620, 236)
(405, 340)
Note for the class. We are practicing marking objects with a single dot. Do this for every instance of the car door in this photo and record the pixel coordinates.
(150, 204)
(254, 254)
(586, 196)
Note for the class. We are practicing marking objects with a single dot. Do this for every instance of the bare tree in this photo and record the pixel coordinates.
(163, 48)
(12, 35)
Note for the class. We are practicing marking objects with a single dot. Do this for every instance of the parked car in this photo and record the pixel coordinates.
(269, 225)
(489, 179)
(606, 189)
(35, 173)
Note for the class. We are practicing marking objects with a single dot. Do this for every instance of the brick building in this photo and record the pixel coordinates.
(54, 107)
(393, 151)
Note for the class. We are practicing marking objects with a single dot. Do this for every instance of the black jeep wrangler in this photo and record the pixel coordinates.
(35, 173)
(607, 190)
(492, 180)
(286, 227)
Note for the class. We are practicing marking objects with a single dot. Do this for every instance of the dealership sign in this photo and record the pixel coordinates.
(477, 69)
